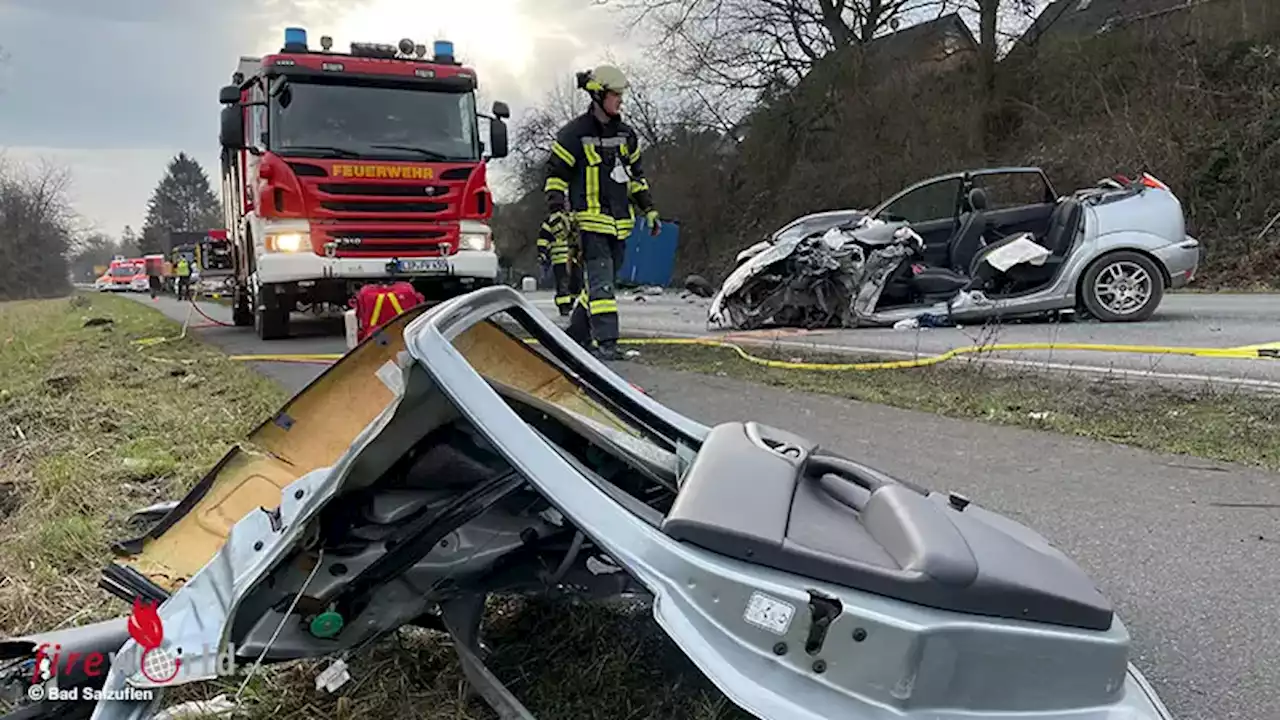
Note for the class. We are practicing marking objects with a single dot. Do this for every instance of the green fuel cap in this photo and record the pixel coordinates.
(326, 624)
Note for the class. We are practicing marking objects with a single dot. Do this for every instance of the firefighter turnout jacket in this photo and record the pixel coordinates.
(595, 173)
(554, 247)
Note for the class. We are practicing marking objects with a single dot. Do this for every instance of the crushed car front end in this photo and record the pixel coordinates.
(445, 459)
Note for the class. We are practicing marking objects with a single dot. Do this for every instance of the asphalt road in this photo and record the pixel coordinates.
(1188, 549)
(1195, 320)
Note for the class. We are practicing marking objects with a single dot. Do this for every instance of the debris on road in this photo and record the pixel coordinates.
(219, 706)
(698, 286)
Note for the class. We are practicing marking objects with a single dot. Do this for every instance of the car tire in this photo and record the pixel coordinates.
(270, 320)
(1139, 287)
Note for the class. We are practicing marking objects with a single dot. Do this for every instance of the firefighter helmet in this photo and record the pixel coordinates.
(602, 80)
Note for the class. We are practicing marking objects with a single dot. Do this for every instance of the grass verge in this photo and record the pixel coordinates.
(1210, 422)
(94, 425)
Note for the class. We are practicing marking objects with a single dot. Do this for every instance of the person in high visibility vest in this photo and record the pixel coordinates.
(183, 271)
(556, 250)
(595, 178)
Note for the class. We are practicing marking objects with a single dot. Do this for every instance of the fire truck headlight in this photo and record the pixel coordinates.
(288, 242)
(474, 241)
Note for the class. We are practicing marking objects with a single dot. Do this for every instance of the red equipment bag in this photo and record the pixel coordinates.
(376, 305)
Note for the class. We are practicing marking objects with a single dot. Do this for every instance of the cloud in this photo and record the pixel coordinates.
(115, 88)
(110, 188)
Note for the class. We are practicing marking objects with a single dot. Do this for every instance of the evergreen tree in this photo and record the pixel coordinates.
(183, 201)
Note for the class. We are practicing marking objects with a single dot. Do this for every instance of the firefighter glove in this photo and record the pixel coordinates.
(544, 255)
(655, 225)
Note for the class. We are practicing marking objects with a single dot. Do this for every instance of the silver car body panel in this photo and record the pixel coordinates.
(910, 665)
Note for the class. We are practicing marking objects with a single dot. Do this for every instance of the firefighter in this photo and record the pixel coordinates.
(595, 183)
(183, 271)
(554, 250)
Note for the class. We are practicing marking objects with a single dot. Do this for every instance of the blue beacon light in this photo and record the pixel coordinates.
(295, 36)
(442, 48)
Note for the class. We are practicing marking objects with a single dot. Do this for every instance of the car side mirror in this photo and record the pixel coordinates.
(229, 95)
(231, 128)
(501, 110)
(498, 139)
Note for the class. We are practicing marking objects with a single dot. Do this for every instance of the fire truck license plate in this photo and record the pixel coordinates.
(424, 265)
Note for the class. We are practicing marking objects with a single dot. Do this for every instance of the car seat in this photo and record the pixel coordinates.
(1064, 224)
(941, 282)
(967, 240)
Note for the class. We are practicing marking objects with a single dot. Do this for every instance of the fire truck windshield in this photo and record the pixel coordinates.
(124, 271)
(341, 120)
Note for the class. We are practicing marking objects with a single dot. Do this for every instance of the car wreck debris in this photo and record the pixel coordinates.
(496, 466)
(943, 249)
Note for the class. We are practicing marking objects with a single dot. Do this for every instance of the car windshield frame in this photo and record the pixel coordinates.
(428, 142)
(965, 178)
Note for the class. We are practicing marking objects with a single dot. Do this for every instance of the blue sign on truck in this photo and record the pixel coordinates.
(650, 260)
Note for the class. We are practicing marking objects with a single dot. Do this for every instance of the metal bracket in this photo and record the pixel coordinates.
(462, 618)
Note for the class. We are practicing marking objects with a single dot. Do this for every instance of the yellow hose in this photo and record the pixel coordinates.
(1249, 352)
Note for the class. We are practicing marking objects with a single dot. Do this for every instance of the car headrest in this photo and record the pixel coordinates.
(978, 199)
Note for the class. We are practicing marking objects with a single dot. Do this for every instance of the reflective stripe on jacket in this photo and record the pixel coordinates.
(595, 171)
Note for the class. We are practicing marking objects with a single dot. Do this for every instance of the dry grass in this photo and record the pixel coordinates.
(1210, 422)
(93, 425)
(579, 662)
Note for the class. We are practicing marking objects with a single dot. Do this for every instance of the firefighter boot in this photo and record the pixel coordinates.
(608, 351)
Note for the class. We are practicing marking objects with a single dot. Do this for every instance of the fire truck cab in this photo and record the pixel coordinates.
(343, 169)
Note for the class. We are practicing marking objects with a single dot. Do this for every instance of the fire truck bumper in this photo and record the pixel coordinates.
(275, 268)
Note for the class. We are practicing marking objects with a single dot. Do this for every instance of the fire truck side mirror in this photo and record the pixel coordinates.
(501, 110)
(231, 130)
(229, 95)
(497, 139)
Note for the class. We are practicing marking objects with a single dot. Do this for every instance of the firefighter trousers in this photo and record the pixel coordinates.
(595, 313)
(568, 276)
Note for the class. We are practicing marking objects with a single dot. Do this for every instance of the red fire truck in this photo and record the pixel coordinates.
(343, 169)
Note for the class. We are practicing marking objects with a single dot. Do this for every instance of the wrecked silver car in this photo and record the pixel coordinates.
(444, 459)
(983, 245)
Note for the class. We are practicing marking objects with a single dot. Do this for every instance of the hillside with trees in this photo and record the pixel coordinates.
(778, 108)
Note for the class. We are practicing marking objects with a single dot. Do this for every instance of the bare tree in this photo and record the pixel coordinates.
(36, 223)
(759, 45)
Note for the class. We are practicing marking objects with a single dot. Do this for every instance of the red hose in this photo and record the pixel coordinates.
(206, 316)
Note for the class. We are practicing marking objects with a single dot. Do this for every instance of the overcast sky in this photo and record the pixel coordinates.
(112, 89)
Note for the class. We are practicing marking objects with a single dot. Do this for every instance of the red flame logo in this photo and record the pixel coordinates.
(146, 629)
(145, 626)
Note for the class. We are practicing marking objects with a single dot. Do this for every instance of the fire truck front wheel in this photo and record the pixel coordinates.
(241, 308)
(271, 314)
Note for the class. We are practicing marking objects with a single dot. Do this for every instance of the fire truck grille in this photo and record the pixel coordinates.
(383, 243)
(384, 249)
(418, 235)
(383, 190)
(354, 206)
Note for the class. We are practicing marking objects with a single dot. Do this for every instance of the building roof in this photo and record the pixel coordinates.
(1084, 18)
(932, 40)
